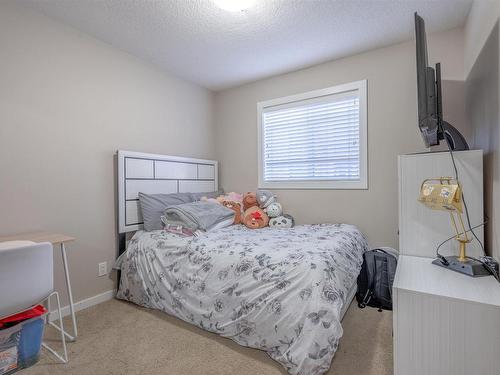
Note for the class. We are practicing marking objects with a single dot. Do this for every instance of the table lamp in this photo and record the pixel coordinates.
(445, 194)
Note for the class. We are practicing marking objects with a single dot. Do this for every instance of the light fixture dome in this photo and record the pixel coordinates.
(234, 5)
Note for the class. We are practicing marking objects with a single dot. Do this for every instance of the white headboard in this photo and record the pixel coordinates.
(152, 174)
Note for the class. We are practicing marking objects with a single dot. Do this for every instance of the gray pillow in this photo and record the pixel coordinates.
(153, 206)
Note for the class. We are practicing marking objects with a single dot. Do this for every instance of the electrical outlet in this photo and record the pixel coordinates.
(103, 268)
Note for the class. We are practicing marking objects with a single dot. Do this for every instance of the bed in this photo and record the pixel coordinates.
(283, 291)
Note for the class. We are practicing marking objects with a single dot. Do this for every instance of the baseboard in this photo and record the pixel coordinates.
(83, 304)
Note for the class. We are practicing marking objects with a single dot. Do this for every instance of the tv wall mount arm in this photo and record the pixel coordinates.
(448, 132)
(455, 139)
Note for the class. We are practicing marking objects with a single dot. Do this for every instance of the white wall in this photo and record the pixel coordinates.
(392, 130)
(67, 103)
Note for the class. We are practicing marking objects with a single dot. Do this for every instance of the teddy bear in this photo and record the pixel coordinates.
(249, 200)
(284, 221)
(236, 207)
(255, 218)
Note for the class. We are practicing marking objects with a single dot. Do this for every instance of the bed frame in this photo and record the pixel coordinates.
(152, 174)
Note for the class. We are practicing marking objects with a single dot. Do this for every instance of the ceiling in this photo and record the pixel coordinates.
(217, 49)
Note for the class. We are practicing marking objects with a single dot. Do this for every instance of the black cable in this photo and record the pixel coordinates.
(490, 269)
(485, 265)
(463, 196)
(452, 237)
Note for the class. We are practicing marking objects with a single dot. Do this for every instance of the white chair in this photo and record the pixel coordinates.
(26, 280)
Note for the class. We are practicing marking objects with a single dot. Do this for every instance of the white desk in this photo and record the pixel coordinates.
(54, 239)
(444, 322)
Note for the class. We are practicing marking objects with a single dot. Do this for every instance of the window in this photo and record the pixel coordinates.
(315, 140)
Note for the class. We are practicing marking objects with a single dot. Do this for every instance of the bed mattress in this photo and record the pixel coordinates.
(283, 291)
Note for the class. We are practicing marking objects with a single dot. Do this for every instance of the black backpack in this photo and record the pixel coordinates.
(376, 278)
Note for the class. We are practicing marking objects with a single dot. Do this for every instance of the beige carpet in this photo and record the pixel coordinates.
(120, 338)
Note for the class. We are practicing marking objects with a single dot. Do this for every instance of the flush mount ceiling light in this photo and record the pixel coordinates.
(234, 5)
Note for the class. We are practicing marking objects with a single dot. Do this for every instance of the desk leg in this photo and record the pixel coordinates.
(70, 294)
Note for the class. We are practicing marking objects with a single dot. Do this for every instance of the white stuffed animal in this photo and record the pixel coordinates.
(285, 221)
(274, 209)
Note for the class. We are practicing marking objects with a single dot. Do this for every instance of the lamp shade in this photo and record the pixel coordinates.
(443, 194)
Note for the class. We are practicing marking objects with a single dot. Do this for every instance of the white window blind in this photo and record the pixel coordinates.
(308, 142)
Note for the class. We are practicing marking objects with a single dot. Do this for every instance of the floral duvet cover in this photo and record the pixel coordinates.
(278, 290)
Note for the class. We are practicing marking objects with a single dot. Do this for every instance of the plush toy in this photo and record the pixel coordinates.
(265, 198)
(255, 218)
(235, 197)
(213, 200)
(249, 200)
(285, 221)
(274, 209)
(236, 207)
(232, 196)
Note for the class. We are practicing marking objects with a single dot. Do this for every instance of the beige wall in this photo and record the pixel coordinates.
(482, 18)
(392, 130)
(482, 102)
(67, 103)
(447, 48)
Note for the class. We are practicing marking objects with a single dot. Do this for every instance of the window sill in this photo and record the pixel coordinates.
(315, 185)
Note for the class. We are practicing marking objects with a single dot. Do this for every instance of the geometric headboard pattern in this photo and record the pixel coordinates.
(152, 173)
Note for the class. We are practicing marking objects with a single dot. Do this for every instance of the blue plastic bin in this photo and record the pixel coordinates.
(30, 342)
(24, 341)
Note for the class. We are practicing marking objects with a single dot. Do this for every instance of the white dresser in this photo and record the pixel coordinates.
(422, 229)
(445, 323)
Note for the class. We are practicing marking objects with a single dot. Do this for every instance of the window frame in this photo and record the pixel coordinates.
(362, 183)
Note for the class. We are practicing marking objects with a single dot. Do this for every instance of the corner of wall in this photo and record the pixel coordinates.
(481, 20)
